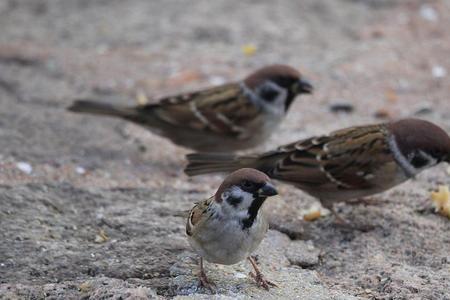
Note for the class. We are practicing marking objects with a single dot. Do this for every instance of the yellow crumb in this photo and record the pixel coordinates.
(441, 200)
(101, 237)
(249, 49)
(391, 95)
(141, 97)
(312, 215)
(84, 287)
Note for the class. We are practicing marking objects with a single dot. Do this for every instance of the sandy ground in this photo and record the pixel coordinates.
(94, 208)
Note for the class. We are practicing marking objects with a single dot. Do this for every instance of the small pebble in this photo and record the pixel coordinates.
(80, 170)
(428, 13)
(342, 107)
(423, 111)
(438, 72)
(302, 254)
(382, 113)
(216, 80)
(240, 275)
(24, 167)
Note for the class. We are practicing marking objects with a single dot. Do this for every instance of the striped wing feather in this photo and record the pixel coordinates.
(195, 215)
(346, 157)
(221, 110)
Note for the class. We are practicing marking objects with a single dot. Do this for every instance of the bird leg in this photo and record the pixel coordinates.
(258, 276)
(204, 281)
(338, 219)
(343, 223)
(365, 201)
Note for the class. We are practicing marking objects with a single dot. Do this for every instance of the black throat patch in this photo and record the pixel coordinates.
(253, 212)
(290, 98)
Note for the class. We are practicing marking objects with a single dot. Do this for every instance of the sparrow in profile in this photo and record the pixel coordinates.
(224, 118)
(346, 164)
(228, 227)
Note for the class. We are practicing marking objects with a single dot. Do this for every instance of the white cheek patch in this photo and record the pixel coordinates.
(240, 210)
(404, 162)
(277, 106)
(246, 197)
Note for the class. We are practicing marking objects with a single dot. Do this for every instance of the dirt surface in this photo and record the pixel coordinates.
(94, 207)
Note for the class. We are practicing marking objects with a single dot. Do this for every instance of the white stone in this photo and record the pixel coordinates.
(428, 13)
(24, 167)
(438, 71)
(80, 170)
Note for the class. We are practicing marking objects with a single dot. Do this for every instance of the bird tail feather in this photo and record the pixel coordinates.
(204, 163)
(98, 108)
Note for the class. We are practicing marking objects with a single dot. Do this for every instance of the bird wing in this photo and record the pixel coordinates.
(347, 157)
(196, 214)
(224, 110)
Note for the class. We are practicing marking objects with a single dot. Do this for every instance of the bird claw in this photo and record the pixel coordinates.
(206, 283)
(261, 281)
(366, 201)
(346, 225)
(340, 221)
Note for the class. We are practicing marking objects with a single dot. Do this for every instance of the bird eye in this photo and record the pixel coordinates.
(419, 161)
(269, 95)
(234, 201)
(247, 184)
(268, 92)
(436, 154)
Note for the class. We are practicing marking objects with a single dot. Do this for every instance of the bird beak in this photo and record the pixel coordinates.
(304, 87)
(268, 190)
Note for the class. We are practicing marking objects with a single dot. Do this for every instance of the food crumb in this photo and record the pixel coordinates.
(249, 49)
(141, 98)
(101, 237)
(312, 215)
(441, 200)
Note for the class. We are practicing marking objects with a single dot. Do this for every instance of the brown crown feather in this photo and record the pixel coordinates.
(413, 134)
(270, 72)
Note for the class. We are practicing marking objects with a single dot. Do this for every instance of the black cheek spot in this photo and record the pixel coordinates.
(234, 201)
(268, 93)
(419, 161)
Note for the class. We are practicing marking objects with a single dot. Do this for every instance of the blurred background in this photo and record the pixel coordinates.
(67, 180)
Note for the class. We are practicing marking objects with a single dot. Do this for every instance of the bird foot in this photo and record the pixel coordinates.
(206, 283)
(366, 201)
(340, 221)
(261, 281)
(346, 225)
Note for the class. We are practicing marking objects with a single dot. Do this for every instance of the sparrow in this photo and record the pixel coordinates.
(225, 118)
(346, 164)
(226, 228)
